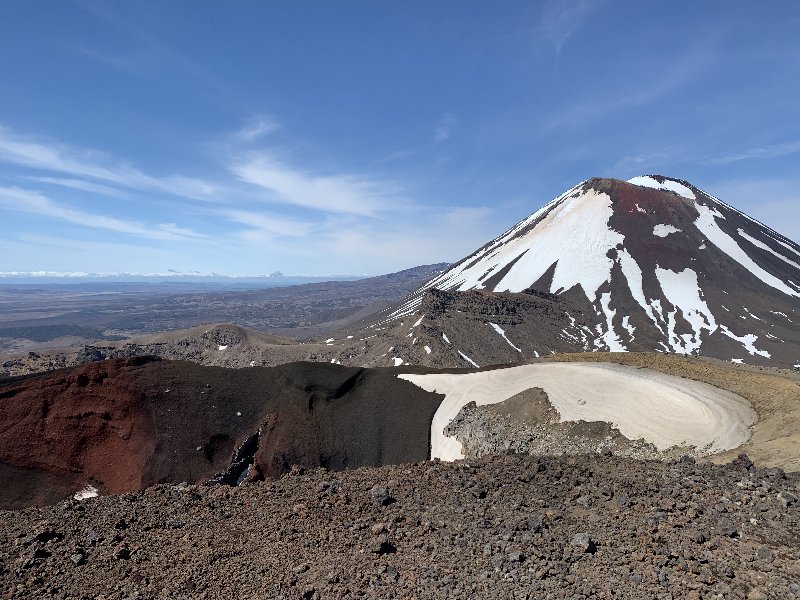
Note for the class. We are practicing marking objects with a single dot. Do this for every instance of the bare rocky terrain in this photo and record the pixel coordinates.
(39, 317)
(587, 526)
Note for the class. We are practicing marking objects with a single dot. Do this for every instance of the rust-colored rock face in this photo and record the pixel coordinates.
(87, 424)
(125, 424)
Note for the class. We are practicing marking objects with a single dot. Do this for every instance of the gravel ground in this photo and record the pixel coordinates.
(513, 526)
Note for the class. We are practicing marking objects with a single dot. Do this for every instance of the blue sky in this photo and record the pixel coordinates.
(369, 136)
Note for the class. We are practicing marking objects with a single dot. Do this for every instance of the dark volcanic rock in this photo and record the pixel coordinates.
(126, 424)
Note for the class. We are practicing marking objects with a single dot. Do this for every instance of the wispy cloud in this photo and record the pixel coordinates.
(263, 225)
(562, 18)
(445, 127)
(272, 208)
(339, 193)
(657, 85)
(80, 184)
(771, 151)
(257, 127)
(21, 200)
(438, 234)
(80, 163)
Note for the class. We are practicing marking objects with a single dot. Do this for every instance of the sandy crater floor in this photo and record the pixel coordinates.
(662, 409)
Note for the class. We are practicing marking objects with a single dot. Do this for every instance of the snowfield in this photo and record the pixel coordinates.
(665, 410)
(668, 185)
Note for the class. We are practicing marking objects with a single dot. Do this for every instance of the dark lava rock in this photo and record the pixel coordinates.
(584, 543)
(726, 527)
(381, 496)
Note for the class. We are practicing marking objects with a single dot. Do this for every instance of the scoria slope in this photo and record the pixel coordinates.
(651, 264)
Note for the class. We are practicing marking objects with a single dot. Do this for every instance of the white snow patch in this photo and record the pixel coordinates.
(747, 341)
(576, 236)
(702, 247)
(573, 233)
(221, 348)
(787, 246)
(763, 246)
(444, 337)
(707, 224)
(468, 359)
(633, 275)
(500, 330)
(397, 361)
(640, 209)
(752, 315)
(665, 410)
(610, 337)
(683, 292)
(662, 230)
(738, 361)
(88, 492)
(668, 185)
(418, 322)
(329, 340)
(238, 414)
(349, 337)
(428, 349)
(626, 323)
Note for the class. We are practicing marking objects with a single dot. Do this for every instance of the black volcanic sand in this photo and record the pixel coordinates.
(123, 425)
(504, 527)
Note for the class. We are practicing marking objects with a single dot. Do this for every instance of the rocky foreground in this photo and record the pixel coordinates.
(499, 527)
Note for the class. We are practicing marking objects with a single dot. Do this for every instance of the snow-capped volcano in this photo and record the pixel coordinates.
(657, 263)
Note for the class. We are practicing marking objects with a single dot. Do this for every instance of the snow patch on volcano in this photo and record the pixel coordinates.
(747, 341)
(683, 292)
(763, 246)
(662, 230)
(502, 332)
(668, 185)
(468, 359)
(88, 492)
(610, 337)
(707, 223)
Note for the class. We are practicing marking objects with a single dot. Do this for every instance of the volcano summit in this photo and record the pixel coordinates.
(649, 264)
